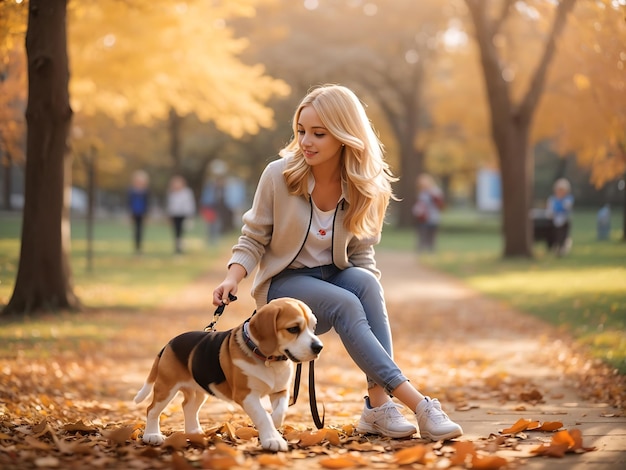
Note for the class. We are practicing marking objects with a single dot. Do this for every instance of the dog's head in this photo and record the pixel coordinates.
(286, 327)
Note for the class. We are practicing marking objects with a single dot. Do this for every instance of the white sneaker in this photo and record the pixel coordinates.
(385, 420)
(433, 423)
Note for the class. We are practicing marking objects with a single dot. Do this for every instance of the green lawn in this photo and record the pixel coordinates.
(118, 278)
(584, 293)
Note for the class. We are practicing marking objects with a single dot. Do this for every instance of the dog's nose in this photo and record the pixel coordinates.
(316, 347)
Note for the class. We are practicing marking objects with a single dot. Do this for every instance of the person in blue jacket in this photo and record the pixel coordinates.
(138, 204)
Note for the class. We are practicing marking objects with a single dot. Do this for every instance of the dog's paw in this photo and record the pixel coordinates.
(153, 439)
(274, 443)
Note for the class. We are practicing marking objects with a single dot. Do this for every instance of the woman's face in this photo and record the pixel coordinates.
(318, 145)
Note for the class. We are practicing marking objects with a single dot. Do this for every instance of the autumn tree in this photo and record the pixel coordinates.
(583, 112)
(511, 116)
(44, 278)
(122, 67)
(12, 92)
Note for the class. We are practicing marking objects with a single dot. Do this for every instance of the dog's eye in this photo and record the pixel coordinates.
(294, 330)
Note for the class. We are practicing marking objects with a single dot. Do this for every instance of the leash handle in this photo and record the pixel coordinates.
(218, 312)
(319, 423)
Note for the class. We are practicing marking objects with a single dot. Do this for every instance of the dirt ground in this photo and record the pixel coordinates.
(489, 366)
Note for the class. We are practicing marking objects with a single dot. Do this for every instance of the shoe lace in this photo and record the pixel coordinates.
(391, 411)
(435, 413)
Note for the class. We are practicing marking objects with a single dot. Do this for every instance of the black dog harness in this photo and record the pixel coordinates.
(205, 365)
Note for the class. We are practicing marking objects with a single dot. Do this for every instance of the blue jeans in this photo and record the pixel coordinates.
(352, 302)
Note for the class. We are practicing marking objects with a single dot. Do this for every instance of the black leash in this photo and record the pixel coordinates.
(319, 423)
(218, 313)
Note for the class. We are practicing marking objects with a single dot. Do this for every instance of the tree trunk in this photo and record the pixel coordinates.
(7, 182)
(517, 171)
(510, 122)
(43, 280)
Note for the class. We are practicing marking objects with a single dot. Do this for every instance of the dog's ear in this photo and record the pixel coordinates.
(263, 328)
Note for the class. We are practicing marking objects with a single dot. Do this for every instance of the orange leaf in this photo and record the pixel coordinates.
(345, 461)
(411, 455)
(552, 450)
(332, 435)
(491, 462)
(219, 462)
(519, 426)
(119, 435)
(462, 450)
(176, 441)
(312, 438)
(246, 433)
(549, 426)
(533, 426)
(180, 463)
(563, 437)
(271, 460)
(577, 436)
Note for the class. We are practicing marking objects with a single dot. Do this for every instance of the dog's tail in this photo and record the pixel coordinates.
(147, 386)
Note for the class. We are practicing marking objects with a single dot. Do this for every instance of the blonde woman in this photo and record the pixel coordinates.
(317, 213)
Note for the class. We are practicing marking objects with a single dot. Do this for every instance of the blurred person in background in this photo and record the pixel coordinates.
(559, 209)
(180, 205)
(427, 211)
(138, 205)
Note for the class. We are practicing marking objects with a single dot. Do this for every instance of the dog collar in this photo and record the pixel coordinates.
(255, 349)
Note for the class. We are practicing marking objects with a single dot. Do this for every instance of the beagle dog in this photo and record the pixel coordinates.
(244, 364)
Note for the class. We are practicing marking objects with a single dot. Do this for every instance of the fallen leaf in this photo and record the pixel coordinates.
(461, 450)
(80, 427)
(491, 462)
(344, 461)
(519, 426)
(180, 463)
(411, 455)
(176, 441)
(308, 438)
(272, 460)
(36, 443)
(246, 433)
(118, 435)
(549, 426)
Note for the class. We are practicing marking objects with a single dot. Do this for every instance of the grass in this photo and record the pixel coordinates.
(118, 283)
(583, 293)
(118, 278)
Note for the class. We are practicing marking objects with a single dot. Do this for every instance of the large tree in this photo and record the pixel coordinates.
(131, 59)
(511, 117)
(44, 279)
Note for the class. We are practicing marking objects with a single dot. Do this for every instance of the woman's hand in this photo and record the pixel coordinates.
(229, 285)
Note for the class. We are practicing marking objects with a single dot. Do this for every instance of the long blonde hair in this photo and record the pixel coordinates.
(364, 170)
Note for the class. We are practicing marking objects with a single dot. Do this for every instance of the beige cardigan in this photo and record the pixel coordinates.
(275, 229)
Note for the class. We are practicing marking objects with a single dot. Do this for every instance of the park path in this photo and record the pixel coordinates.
(488, 364)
